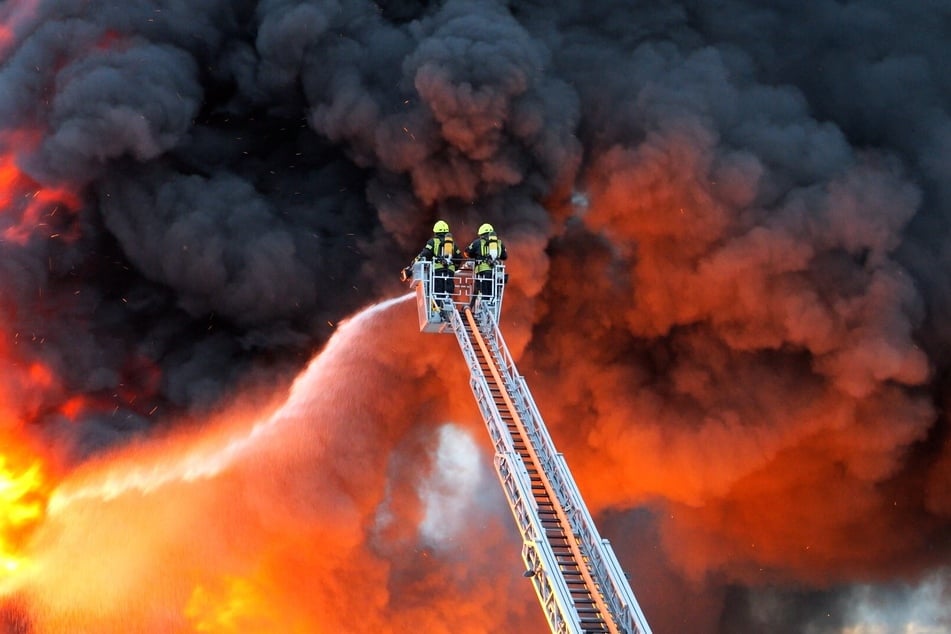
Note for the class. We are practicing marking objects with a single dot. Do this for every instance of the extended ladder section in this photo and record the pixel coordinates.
(575, 572)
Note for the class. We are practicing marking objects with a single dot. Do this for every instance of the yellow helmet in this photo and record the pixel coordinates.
(441, 226)
(486, 228)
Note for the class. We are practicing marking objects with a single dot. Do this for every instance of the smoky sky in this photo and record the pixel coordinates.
(728, 225)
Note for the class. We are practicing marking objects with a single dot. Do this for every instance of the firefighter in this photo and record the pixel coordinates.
(486, 250)
(441, 249)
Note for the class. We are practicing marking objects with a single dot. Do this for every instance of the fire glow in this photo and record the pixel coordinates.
(26, 477)
(236, 605)
(22, 503)
(736, 325)
(134, 512)
(13, 14)
(26, 207)
(276, 518)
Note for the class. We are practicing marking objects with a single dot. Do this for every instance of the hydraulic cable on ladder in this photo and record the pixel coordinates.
(576, 575)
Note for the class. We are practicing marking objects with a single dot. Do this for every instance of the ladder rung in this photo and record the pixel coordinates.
(510, 405)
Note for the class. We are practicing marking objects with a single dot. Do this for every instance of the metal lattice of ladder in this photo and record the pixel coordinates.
(575, 572)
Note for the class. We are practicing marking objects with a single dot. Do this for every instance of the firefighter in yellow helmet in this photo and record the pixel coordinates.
(486, 250)
(441, 249)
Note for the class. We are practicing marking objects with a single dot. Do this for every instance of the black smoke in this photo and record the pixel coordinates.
(755, 199)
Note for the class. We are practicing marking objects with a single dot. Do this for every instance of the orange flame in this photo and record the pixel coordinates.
(24, 476)
(23, 494)
(29, 207)
(237, 605)
(12, 15)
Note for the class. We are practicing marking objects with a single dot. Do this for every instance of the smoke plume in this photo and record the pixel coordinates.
(729, 229)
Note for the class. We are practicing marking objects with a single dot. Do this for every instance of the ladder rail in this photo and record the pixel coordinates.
(605, 567)
(552, 590)
(604, 564)
(606, 598)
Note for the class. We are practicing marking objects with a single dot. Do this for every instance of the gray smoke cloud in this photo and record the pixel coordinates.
(729, 227)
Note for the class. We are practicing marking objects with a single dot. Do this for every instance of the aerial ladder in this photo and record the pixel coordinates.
(575, 572)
